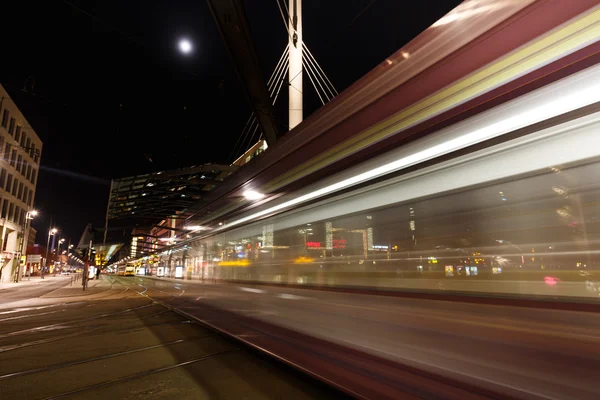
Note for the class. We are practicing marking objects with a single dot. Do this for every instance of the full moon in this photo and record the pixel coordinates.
(185, 46)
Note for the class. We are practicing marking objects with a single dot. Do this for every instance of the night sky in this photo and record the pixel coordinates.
(106, 89)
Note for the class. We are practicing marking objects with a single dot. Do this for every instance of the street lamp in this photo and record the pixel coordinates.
(28, 216)
(51, 232)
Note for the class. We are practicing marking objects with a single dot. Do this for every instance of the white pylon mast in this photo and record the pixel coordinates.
(295, 68)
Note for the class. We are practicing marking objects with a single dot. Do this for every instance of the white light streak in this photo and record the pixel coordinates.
(581, 96)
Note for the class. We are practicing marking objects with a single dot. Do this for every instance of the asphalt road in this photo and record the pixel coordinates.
(113, 342)
(515, 351)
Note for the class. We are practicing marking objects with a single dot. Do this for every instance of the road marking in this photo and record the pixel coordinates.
(145, 289)
(252, 290)
(28, 309)
(292, 297)
(31, 315)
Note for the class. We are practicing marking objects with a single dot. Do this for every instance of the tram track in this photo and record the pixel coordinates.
(136, 376)
(71, 322)
(92, 359)
(92, 332)
(111, 346)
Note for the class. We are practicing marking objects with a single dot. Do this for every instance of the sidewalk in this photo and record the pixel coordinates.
(34, 280)
(74, 288)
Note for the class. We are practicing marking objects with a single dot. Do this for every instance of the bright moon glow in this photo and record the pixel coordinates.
(185, 46)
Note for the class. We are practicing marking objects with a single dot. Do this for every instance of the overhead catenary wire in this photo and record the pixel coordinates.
(243, 135)
(240, 136)
(341, 32)
(120, 32)
(253, 125)
(251, 139)
(251, 133)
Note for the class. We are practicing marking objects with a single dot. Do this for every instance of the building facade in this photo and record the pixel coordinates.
(20, 153)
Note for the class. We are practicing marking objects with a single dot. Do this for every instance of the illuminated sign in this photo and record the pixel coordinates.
(339, 244)
(313, 244)
(179, 272)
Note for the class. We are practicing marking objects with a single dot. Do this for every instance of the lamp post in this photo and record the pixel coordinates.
(70, 250)
(58, 254)
(51, 232)
(28, 216)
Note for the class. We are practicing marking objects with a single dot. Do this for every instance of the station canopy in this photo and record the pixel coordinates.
(144, 200)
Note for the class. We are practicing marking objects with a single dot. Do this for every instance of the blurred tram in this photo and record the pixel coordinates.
(467, 161)
(124, 270)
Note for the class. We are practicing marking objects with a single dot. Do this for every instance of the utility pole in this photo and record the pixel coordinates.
(107, 209)
(56, 252)
(28, 216)
(51, 231)
(21, 243)
(53, 247)
(295, 71)
(69, 255)
(86, 266)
